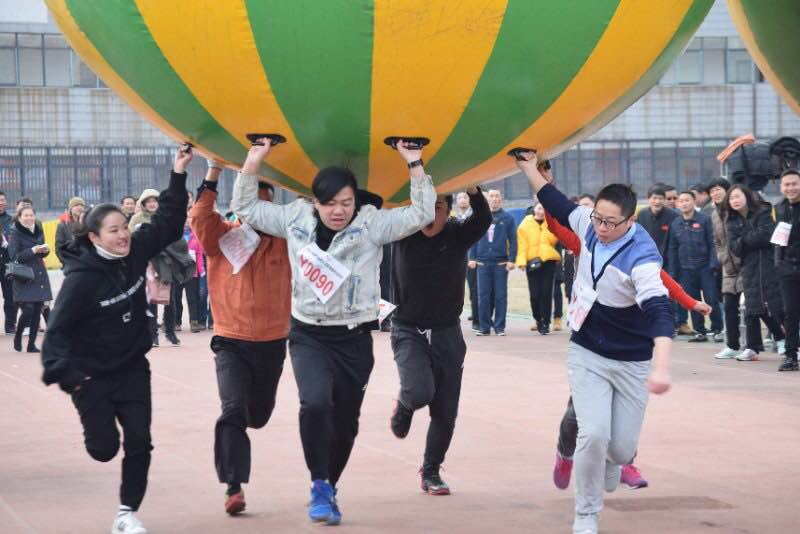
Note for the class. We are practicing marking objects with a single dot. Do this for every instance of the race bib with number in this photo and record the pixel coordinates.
(583, 298)
(238, 245)
(323, 273)
(384, 309)
(780, 236)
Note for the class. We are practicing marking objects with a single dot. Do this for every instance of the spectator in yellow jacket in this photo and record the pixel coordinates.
(537, 255)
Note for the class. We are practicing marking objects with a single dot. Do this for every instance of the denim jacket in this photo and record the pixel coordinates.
(359, 247)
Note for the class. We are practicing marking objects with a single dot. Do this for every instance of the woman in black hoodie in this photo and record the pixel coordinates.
(27, 247)
(98, 335)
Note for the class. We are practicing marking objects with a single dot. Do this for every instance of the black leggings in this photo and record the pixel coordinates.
(31, 312)
(332, 367)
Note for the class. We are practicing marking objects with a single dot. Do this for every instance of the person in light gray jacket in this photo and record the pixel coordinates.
(335, 250)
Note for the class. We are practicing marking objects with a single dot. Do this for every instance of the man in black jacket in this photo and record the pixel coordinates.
(9, 307)
(428, 273)
(787, 260)
(657, 218)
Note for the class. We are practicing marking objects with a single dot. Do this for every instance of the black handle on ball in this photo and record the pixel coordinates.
(414, 143)
(274, 139)
(516, 152)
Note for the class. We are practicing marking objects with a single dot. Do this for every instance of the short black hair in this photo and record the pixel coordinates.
(700, 187)
(330, 180)
(620, 195)
(126, 197)
(2, 193)
(787, 172)
(266, 185)
(449, 200)
(688, 192)
(667, 187)
(24, 199)
(656, 190)
(719, 182)
(586, 195)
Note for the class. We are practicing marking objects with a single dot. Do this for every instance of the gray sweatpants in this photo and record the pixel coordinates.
(610, 397)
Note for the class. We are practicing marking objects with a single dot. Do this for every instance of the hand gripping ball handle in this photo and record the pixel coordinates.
(414, 143)
(274, 139)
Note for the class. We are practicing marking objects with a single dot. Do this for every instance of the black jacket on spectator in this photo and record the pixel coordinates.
(99, 324)
(64, 235)
(658, 226)
(749, 240)
(20, 244)
(789, 213)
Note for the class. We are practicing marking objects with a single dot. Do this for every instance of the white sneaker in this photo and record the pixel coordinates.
(127, 523)
(613, 472)
(747, 355)
(585, 524)
(726, 354)
(781, 347)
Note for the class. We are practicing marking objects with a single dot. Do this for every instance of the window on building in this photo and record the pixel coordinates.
(31, 59)
(739, 68)
(689, 67)
(56, 61)
(82, 75)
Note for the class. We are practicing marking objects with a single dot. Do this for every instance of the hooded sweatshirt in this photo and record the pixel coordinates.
(98, 325)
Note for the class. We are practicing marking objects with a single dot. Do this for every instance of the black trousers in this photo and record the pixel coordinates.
(248, 373)
(431, 364)
(790, 287)
(9, 306)
(540, 288)
(753, 330)
(192, 290)
(732, 318)
(332, 367)
(472, 284)
(123, 397)
(169, 318)
(30, 318)
(558, 300)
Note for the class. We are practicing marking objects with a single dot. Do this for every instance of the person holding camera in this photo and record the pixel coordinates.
(248, 354)
(787, 261)
(335, 244)
(98, 336)
(32, 288)
(538, 257)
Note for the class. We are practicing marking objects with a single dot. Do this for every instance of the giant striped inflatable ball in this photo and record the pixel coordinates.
(771, 32)
(336, 77)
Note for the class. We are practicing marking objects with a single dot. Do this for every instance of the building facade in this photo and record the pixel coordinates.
(62, 132)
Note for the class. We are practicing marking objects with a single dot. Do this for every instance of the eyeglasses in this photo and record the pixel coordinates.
(610, 225)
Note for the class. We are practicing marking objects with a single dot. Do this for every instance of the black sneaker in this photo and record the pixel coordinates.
(789, 364)
(698, 338)
(544, 329)
(172, 338)
(400, 422)
(432, 483)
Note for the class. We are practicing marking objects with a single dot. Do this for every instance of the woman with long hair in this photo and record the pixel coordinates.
(749, 224)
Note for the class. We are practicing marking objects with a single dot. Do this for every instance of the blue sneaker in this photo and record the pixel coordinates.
(320, 507)
(336, 514)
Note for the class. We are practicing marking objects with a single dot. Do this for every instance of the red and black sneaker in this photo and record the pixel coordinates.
(234, 504)
(432, 483)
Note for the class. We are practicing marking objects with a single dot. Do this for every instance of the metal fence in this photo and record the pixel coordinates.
(50, 176)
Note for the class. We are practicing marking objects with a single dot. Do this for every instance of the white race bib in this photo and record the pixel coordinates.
(780, 236)
(583, 298)
(238, 245)
(323, 273)
(384, 309)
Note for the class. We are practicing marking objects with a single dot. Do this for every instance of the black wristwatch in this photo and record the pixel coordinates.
(417, 163)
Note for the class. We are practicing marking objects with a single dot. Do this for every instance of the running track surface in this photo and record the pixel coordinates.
(719, 450)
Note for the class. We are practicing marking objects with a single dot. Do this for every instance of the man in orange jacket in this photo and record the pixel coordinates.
(251, 323)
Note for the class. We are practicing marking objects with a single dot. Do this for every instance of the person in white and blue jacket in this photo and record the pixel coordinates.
(621, 321)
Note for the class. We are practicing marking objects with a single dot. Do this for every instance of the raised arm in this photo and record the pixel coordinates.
(207, 224)
(473, 228)
(166, 226)
(395, 224)
(262, 215)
